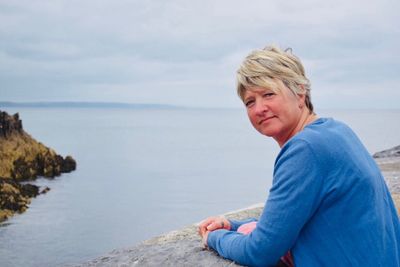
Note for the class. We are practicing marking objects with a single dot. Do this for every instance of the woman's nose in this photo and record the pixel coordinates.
(260, 108)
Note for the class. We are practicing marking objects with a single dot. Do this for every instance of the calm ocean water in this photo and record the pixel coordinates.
(145, 172)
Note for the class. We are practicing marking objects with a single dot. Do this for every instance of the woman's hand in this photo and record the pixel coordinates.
(213, 223)
(204, 239)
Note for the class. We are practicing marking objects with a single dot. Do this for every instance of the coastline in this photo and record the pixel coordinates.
(22, 159)
(183, 247)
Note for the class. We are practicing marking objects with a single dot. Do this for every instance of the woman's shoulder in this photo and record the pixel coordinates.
(324, 124)
(323, 130)
(322, 136)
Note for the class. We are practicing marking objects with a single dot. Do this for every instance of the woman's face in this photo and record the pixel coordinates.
(277, 115)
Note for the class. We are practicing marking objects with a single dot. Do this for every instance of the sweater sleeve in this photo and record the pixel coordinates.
(294, 197)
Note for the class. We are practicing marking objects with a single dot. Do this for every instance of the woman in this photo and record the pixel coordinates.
(329, 204)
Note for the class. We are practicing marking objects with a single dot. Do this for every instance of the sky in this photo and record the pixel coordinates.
(187, 52)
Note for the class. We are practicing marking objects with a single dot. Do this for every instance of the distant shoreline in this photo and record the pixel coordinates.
(124, 105)
(70, 104)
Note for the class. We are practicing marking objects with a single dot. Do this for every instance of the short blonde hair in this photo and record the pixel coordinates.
(261, 68)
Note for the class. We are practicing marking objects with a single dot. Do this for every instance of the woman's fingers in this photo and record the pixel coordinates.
(202, 230)
(204, 224)
(219, 223)
(215, 225)
(212, 224)
(204, 239)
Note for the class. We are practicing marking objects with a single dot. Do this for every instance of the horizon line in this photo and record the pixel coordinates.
(104, 104)
(85, 104)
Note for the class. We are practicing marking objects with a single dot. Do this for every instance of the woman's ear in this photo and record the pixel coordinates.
(302, 100)
(302, 96)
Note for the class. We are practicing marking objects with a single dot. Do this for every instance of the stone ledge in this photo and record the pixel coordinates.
(176, 248)
(183, 247)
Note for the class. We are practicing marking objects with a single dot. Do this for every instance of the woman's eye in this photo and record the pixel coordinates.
(249, 103)
(268, 94)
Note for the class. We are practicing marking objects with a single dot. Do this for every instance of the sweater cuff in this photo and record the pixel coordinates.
(213, 237)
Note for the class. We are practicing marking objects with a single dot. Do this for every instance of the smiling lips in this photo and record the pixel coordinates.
(265, 119)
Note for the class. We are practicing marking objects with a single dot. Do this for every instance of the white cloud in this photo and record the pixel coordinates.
(189, 51)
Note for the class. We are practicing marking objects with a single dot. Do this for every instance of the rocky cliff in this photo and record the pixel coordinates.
(22, 158)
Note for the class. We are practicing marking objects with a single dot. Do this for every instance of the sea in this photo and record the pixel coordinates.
(142, 172)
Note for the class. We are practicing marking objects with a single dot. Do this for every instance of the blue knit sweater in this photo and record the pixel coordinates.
(328, 204)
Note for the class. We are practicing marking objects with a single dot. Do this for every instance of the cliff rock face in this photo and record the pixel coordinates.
(22, 158)
(15, 197)
(9, 124)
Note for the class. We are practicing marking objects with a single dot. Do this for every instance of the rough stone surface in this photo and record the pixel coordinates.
(183, 247)
(176, 248)
(392, 152)
(390, 167)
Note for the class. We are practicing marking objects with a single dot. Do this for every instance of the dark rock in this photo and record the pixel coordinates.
(45, 190)
(392, 152)
(9, 124)
(24, 170)
(15, 197)
(68, 164)
(29, 190)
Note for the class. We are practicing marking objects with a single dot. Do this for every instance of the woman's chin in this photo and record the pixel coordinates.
(268, 132)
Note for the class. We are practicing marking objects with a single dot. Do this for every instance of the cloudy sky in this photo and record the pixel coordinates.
(186, 52)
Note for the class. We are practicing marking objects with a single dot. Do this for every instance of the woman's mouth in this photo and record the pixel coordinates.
(265, 119)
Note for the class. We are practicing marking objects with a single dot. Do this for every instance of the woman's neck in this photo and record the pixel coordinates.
(305, 119)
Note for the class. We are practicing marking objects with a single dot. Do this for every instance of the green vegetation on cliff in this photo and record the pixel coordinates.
(22, 158)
